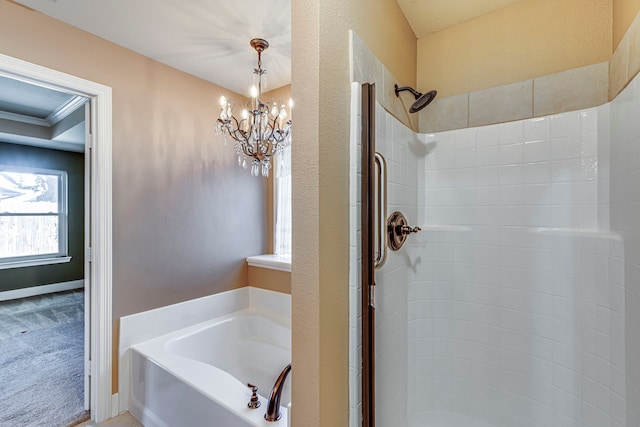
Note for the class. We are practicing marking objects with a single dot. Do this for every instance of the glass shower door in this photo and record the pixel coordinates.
(506, 309)
(389, 189)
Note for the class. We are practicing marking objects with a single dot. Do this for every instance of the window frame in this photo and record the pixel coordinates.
(277, 194)
(62, 255)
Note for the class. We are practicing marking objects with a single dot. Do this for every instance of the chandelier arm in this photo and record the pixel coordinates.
(247, 150)
(237, 135)
(274, 126)
(237, 123)
(269, 150)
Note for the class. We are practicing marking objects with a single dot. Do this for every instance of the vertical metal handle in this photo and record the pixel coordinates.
(381, 211)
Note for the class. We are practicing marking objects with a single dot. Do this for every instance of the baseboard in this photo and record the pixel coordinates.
(115, 405)
(40, 290)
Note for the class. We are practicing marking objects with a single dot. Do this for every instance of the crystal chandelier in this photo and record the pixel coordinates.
(263, 130)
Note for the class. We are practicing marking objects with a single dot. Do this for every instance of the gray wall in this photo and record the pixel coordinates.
(73, 164)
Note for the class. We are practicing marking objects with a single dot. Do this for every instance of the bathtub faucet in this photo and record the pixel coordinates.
(273, 408)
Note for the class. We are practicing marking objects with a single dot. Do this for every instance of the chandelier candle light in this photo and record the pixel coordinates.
(263, 130)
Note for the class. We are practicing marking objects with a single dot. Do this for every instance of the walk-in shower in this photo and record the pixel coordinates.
(507, 308)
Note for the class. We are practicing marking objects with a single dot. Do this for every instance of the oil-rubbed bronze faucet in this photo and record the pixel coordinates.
(273, 408)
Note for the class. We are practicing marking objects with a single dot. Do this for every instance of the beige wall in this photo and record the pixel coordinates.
(624, 12)
(273, 280)
(320, 282)
(528, 39)
(185, 216)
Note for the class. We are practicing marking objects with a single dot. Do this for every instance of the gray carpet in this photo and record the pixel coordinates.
(42, 361)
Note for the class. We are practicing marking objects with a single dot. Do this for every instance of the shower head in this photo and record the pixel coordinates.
(422, 99)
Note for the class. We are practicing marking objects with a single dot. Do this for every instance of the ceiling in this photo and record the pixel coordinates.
(206, 38)
(210, 38)
(39, 116)
(429, 16)
(23, 99)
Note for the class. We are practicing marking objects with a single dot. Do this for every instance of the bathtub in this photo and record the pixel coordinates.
(198, 376)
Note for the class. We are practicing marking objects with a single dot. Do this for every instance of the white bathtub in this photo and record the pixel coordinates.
(198, 376)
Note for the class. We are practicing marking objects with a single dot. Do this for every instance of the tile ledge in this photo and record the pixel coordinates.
(271, 261)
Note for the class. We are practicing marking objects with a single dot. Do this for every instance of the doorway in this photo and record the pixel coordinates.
(42, 257)
(99, 252)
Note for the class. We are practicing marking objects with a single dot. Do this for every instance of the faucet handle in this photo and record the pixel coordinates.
(254, 403)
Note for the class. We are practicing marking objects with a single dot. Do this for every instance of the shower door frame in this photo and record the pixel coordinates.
(367, 219)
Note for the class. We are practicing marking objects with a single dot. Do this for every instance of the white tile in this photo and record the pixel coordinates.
(589, 145)
(465, 158)
(589, 121)
(487, 136)
(566, 148)
(511, 154)
(487, 156)
(536, 151)
(564, 125)
(511, 133)
(566, 170)
(536, 173)
(487, 176)
(511, 174)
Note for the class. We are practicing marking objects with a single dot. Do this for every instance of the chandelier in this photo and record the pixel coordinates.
(263, 130)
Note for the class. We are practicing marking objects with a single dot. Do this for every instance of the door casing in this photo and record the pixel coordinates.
(100, 227)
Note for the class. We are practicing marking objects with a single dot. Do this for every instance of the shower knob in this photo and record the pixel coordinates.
(254, 403)
(398, 230)
(406, 230)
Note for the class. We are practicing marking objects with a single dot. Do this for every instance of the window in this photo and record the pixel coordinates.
(282, 240)
(33, 217)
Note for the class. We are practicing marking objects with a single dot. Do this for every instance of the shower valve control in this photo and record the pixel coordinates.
(397, 230)
(254, 403)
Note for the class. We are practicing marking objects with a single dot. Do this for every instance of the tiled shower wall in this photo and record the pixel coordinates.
(521, 307)
(531, 173)
(625, 219)
(509, 308)
(397, 144)
(516, 295)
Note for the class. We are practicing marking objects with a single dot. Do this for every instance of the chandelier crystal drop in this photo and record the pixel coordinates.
(263, 129)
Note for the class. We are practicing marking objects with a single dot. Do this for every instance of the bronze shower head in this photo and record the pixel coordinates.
(422, 99)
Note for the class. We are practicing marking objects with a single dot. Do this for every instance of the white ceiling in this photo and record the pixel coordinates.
(210, 38)
(206, 38)
(39, 116)
(429, 16)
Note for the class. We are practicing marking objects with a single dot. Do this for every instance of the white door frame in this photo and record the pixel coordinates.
(101, 227)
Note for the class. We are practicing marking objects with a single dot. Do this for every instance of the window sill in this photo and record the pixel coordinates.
(272, 262)
(34, 262)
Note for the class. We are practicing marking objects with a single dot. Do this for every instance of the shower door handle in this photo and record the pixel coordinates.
(380, 255)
